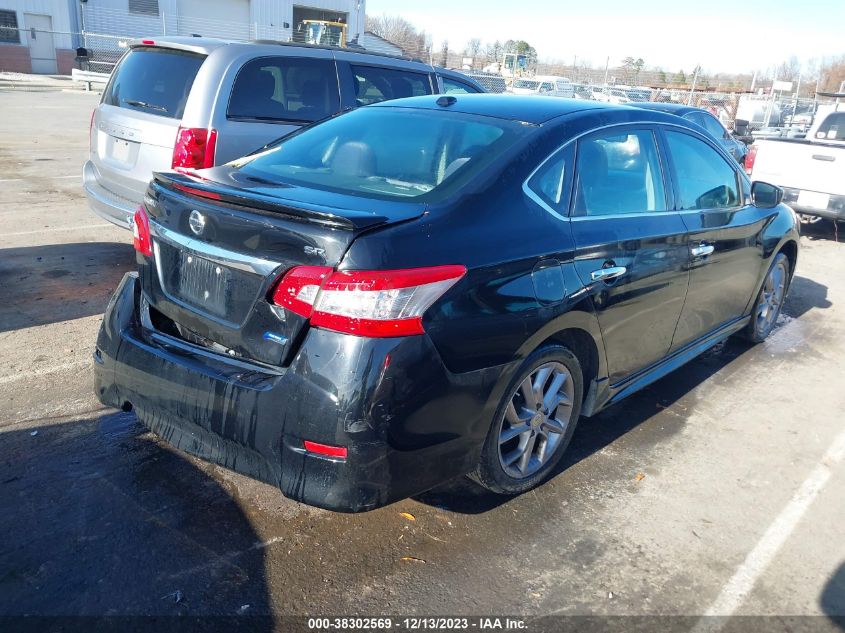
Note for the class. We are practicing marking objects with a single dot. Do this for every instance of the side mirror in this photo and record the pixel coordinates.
(741, 127)
(765, 196)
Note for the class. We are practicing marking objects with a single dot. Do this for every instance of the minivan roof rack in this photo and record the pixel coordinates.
(349, 49)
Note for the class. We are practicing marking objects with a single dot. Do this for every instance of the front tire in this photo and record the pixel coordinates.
(769, 302)
(534, 422)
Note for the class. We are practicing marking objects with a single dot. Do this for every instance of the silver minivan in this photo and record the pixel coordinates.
(192, 102)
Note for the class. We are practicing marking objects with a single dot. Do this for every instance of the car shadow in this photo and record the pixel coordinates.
(57, 282)
(824, 229)
(832, 599)
(594, 434)
(98, 520)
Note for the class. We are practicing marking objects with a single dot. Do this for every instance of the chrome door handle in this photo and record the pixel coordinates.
(702, 250)
(606, 274)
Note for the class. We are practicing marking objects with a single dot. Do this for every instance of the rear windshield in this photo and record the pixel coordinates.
(154, 80)
(833, 127)
(385, 152)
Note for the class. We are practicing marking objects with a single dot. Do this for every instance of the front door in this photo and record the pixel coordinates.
(725, 235)
(42, 51)
(631, 250)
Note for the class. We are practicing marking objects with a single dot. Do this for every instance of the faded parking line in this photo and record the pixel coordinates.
(59, 228)
(40, 176)
(37, 373)
(742, 582)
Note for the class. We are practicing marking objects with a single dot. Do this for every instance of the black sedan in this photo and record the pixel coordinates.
(435, 287)
(705, 121)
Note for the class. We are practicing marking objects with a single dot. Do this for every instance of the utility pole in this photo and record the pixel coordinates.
(606, 66)
(694, 79)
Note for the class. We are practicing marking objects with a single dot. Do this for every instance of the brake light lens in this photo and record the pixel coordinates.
(194, 148)
(376, 303)
(141, 238)
(750, 157)
(325, 449)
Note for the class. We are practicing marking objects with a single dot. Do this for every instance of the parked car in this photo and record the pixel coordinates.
(811, 170)
(583, 92)
(706, 121)
(196, 102)
(555, 86)
(607, 94)
(435, 286)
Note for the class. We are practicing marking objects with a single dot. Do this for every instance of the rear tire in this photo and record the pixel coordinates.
(533, 424)
(769, 302)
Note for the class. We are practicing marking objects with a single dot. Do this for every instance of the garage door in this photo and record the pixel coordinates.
(215, 18)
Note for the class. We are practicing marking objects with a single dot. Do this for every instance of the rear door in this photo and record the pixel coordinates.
(134, 128)
(725, 234)
(271, 96)
(631, 250)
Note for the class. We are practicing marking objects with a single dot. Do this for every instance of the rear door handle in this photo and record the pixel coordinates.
(702, 250)
(606, 274)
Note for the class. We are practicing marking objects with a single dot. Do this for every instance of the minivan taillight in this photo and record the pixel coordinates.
(750, 157)
(141, 238)
(194, 148)
(373, 303)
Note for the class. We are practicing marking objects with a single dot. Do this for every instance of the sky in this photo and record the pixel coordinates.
(720, 35)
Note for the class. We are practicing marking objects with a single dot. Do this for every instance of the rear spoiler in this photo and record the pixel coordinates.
(194, 185)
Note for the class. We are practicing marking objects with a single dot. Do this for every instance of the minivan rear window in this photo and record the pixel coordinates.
(300, 89)
(154, 80)
(385, 152)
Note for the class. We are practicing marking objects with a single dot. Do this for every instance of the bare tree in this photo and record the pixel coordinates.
(473, 49)
(789, 70)
(444, 53)
(399, 31)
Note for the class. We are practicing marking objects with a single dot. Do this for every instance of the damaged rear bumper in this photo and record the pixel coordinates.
(408, 424)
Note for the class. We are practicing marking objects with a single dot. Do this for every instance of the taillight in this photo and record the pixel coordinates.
(375, 303)
(325, 449)
(141, 239)
(750, 157)
(194, 148)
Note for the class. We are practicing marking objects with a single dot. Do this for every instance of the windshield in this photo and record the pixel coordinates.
(385, 152)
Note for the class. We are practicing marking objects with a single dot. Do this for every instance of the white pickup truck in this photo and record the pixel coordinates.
(811, 171)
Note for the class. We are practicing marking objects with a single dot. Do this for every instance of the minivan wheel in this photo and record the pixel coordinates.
(769, 301)
(534, 422)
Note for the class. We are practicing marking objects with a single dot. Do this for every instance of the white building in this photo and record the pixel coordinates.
(37, 35)
(106, 22)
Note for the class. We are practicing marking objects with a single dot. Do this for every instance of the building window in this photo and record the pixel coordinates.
(143, 7)
(9, 33)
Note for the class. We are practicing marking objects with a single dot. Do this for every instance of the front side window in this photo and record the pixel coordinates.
(297, 89)
(705, 179)
(619, 172)
(374, 84)
(384, 152)
(453, 87)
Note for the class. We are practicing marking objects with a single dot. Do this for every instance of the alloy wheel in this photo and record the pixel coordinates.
(536, 420)
(771, 298)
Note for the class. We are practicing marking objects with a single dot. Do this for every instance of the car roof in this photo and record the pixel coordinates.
(678, 109)
(527, 108)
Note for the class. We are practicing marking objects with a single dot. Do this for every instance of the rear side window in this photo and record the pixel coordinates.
(298, 89)
(154, 80)
(453, 86)
(619, 172)
(705, 179)
(833, 127)
(374, 84)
